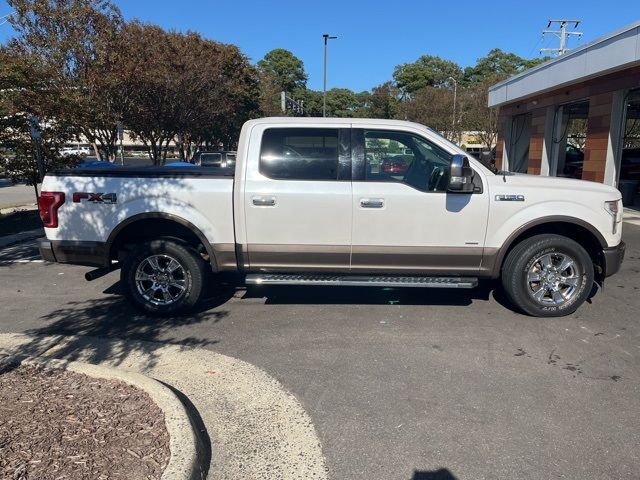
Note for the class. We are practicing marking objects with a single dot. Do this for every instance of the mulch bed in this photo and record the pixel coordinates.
(56, 424)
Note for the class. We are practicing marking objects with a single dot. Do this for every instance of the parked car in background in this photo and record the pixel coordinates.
(397, 164)
(137, 153)
(75, 151)
(223, 159)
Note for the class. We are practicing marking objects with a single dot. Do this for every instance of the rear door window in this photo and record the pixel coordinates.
(300, 153)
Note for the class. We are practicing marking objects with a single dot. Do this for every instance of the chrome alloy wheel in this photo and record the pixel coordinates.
(161, 279)
(553, 279)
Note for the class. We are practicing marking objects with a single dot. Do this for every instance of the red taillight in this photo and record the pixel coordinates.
(48, 204)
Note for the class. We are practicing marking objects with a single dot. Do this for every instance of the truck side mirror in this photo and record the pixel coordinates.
(460, 175)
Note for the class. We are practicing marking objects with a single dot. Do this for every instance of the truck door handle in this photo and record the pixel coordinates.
(264, 201)
(372, 202)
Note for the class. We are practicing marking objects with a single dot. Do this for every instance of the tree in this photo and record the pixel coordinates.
(344, 103)
(285, 69)
(312, 102)
(427, 71)
(384, 102)
(478, 116)
(73, 43)
(269, 100)
(497, 65)
(183, 87)
(432, 106)
(20, 102)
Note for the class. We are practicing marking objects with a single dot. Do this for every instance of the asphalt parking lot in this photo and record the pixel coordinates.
(400, 384)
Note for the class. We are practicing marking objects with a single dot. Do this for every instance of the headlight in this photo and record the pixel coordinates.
(614, 209)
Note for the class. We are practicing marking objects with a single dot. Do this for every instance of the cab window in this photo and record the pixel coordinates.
(211, 159)
(392, 156)
(300, 153)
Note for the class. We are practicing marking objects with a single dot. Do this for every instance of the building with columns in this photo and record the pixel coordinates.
(577, 115)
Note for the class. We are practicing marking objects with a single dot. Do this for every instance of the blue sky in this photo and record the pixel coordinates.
(375, 35)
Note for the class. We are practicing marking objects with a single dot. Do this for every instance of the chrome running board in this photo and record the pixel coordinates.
(360, 280)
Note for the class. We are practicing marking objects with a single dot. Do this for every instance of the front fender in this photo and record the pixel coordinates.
(506, 218)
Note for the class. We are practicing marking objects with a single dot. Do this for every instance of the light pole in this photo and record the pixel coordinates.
(455, 94)
(326, 37)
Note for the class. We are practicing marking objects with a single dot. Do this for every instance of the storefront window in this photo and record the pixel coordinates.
(519, 144)
(571, 136)
(629, 180)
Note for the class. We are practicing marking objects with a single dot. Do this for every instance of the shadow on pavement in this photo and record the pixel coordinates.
(112, 317)
(301, 295)
(25, 250)
(204, 440)
(440, 474)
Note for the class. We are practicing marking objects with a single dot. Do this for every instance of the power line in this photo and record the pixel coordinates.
(5, 18)
(540, 40)
(562, 34)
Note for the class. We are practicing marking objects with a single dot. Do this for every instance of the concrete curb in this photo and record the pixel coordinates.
(18, 208)
(8, 240)
(184, 463)
(249, 425)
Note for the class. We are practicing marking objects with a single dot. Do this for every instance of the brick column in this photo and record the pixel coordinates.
(536, 142)
(598, 125)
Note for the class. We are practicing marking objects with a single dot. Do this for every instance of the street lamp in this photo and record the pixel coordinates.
(326, 37)
(455, 94)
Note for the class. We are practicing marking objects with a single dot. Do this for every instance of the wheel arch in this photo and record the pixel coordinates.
(576, 229)
(163, 224)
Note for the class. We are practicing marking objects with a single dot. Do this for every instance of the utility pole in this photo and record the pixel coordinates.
(36, 135)
(455, 94)
(562, 34)
(326, 37)
(120, 128)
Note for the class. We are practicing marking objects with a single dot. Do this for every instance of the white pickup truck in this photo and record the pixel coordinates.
(344, 202)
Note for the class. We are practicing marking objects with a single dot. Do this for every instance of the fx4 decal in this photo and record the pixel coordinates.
(78, 197)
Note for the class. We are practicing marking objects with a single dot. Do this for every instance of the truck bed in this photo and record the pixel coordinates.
(145, 172)
(97, 200)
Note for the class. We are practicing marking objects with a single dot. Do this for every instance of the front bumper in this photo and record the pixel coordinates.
(93, 254)
(613, 258)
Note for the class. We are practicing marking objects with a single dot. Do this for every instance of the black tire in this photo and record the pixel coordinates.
(149, 294)
(532, 281)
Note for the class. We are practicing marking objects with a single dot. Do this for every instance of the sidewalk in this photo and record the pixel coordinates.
(16, 195)
(257, 429)
(631, 215)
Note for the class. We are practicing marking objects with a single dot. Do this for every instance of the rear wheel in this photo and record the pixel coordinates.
(548, 275)
(163, 277)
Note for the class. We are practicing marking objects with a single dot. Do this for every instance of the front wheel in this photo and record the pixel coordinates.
(163, 277)
(548, 275)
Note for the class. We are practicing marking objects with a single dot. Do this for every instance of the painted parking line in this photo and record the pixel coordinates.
(9, 262)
